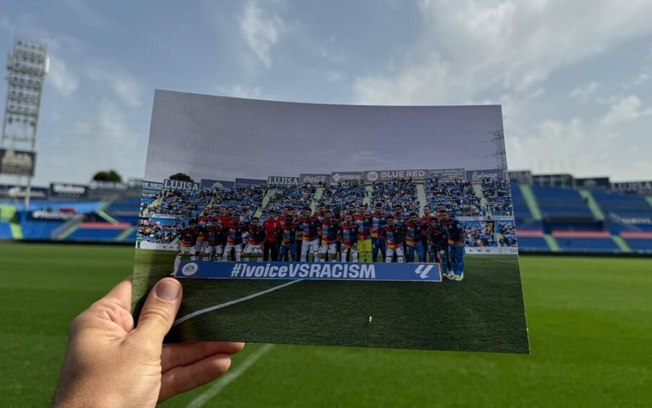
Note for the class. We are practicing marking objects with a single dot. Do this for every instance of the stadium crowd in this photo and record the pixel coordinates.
(458, 197)
(349, 221)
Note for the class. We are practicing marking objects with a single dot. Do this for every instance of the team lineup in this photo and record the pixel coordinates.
(352, 234)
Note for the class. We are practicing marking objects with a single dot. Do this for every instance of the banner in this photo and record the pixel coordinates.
(480, 175)
(553, 180)
(241, 182)
(314, 178)
(17, 162)
(336, 177)
(152, 187)
(448, 174)
(51, 215)
(68, 190)
(157, 246)
(282, 181)
(596, 183)
(639, 187)
(521, 176)
(491, 250)
(217, 184)
(107, 186)
(385, 175)
(14, 191)
(169, 184)
(414, 272)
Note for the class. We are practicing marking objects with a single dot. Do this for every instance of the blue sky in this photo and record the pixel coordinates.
(574, 78)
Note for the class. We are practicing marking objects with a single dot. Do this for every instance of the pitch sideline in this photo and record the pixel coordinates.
(231, 302)
(229, 377)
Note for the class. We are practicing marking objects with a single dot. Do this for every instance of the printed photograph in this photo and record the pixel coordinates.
(299, 223)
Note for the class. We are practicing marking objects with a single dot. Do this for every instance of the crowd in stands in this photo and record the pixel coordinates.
(390, 193)
(290, 196)
(498, 195)
(507, 231)
(248, 197)
(478, 235)
(340, 196)
(157, 232)
(181, 203)
(457, 197)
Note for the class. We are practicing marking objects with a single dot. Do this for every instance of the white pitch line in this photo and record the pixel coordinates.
(232, 302)
(228, 378)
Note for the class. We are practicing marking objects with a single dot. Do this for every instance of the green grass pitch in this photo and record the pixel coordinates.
(484, 312)
(589, 327)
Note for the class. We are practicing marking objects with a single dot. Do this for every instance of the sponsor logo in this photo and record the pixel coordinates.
(150, 185)
(423, 270)
(52, 215)
(71, 189)
(482, 175)
(415, 174)
(372, 176)
(189, 269)
(337, 177)
(107, 185)
(181, 185)
(283, 181)
(314, 179)
(20, 192)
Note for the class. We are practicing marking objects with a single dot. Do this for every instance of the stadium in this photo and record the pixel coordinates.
(555, 214)
(584, 247)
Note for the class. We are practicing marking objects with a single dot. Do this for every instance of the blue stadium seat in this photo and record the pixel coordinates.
(587, 244)
(41, 229)
(94, 234)
(5, 230)
(640, 244)
(533, 244)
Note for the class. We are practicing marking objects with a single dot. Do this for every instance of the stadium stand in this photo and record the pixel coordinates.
(638, 241)
(124, 211)
(391, 193)
(585, 241)
(343, 194)
(547, 218)
(624, 212)
(458, 197)
(532, 240)
(41, 229)
(95, 231)
(5, 230)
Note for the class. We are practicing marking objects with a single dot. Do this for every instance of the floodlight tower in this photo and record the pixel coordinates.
(27, 65)
(500, 155)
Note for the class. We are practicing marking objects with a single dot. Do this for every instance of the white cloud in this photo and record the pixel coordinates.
(625, 110)
(61, 77)
(128, 89)
(617, 145)
(123, 85)
(583, 94)
(241, 91)
(469, 47)
(261, 31)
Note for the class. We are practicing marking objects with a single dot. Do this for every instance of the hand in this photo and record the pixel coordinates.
(111, 363)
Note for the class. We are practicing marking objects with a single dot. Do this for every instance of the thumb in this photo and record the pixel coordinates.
(159, 310)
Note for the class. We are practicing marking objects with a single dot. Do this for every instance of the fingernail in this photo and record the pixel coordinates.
(167, 290)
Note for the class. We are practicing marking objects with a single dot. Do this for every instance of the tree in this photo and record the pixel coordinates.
(107, 175)
(181, 177)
